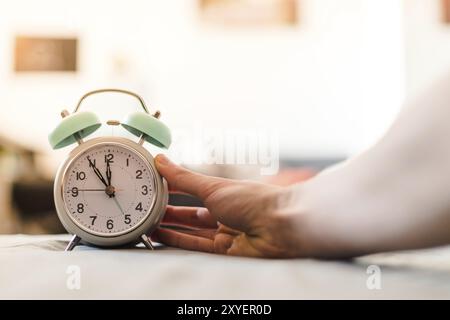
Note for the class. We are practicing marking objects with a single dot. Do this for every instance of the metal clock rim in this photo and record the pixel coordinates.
(152, 218)
(75, 156)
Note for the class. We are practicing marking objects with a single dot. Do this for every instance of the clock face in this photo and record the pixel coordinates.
(108, 189)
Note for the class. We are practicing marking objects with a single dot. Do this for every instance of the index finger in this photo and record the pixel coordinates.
(185, 180)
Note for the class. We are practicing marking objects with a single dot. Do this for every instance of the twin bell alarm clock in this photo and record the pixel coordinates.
(108, 192)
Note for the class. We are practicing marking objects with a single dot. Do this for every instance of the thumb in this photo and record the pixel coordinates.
(187, 181)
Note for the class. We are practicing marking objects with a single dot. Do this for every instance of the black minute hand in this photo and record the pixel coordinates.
(97, 172)
(108, 173)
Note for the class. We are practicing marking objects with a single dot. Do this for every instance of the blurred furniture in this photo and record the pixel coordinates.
(168, 273)
(26, 199)
(16, 160)
(35, 209)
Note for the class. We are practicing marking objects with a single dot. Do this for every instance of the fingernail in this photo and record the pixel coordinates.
(162, 159)
(202, 212)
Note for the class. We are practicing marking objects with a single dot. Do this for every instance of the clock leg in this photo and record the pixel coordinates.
(146, 241)
(73, 243)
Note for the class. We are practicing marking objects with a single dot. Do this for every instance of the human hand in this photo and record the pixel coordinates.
(240, 217)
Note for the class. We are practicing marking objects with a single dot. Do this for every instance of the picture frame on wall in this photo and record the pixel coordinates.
(253, 13)
(45, 54)
(445, 11)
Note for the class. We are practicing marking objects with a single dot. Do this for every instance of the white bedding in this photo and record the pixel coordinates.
(36, 266)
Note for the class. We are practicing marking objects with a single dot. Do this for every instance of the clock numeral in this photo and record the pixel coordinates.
(139, 206)
(144, 190)
(127, 219)
(138, 174)
(109, 158)
(74, 192)
(109, 224)
(93, 219)
(128, 162)
(80, 208)
(81, 175)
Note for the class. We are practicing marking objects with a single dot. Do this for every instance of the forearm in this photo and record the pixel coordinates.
(395, 195)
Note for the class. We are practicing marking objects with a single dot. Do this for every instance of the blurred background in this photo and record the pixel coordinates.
(328, 77)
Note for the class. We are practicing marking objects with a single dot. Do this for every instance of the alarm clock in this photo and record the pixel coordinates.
(108, 192)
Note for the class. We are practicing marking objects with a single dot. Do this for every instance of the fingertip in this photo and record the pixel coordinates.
(164, 166)
(184, 180)
(161, 160)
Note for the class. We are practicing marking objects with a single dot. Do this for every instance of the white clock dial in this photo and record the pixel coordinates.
(104, 207)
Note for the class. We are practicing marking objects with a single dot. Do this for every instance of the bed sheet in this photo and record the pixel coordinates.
(36, 267)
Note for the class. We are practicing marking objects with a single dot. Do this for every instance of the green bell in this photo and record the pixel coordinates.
(75, 126)
(149, 127)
